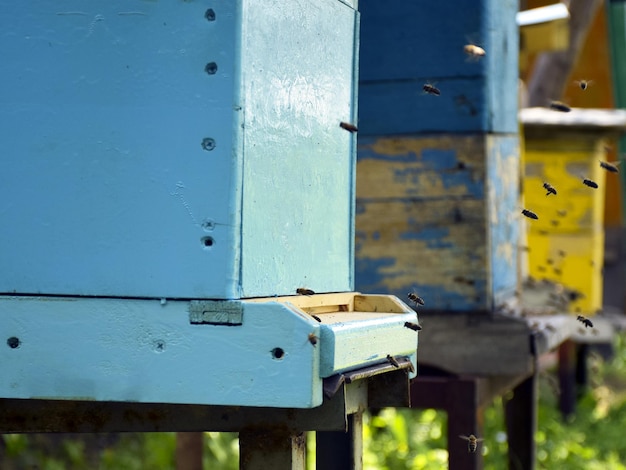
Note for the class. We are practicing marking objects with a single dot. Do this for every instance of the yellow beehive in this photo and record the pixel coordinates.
(566, 243)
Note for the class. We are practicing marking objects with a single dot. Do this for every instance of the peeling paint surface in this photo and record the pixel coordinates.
(440, 226)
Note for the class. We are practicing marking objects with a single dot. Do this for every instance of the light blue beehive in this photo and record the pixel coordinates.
(163, 149)
(162, 154)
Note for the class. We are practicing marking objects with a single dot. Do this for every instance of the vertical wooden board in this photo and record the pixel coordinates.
(298, 163)
(503, 169)
(105, 187)
(405, 44)
(502, 59)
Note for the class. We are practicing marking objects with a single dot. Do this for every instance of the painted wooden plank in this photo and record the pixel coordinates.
(171, 153)
(431, 218)
(146, 351)
(405, 44)
(151, 351)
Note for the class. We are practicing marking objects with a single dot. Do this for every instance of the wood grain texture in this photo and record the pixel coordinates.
(430, 217)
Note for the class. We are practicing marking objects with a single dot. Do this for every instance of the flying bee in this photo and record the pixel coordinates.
(583, 84)
(349, 127)
(473, 51)
(560, 106)
(561, 213)
(313, 339)
(548, 187)
(413, 297)
(392, 361)
(591, 184)
(561, 253)
(554, 223)
(431, 89)
(530, 214)
(585, 321)
(412, 326)
(472, 442)
(304, 291)
(318, 319)
(609, 166)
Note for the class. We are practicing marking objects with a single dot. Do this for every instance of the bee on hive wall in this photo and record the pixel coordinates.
(472, 442)
(412, 326)
(304, 291)
(313, 339)
(392, 361)
(560, 106)
(349, 127)
(585, 321)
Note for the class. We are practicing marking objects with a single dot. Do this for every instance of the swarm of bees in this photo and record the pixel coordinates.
(472, 442)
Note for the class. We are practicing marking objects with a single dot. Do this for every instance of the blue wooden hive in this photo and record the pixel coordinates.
(129, 130)
(173, 173)
(437, 175)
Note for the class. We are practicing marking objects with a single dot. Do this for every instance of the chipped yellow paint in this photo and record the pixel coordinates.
(388, 178)
(570, 222)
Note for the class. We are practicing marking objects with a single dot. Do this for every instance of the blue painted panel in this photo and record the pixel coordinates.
(298, 163)
(146, 351)
(106, 189)
(406, 44)
(503, 170)
(136, 134)
(439, 215)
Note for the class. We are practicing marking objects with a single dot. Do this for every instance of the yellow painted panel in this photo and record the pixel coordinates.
(566, 243)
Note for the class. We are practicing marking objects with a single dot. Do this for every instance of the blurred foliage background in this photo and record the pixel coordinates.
(394, 439)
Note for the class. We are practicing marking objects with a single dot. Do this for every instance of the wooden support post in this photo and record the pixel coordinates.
(463, 419)
(336, 450)
(567, 375)
(274, 448)
(189, 450)
(521, 424)
(582, 372)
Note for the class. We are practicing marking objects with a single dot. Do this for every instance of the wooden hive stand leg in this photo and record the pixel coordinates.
(338, 450)
(275, 448)
(521, 424)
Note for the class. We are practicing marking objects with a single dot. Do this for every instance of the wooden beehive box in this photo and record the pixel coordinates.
(177, 149)
(566, 243)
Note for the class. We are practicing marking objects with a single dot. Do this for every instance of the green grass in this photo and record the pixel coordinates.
(394, 439)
